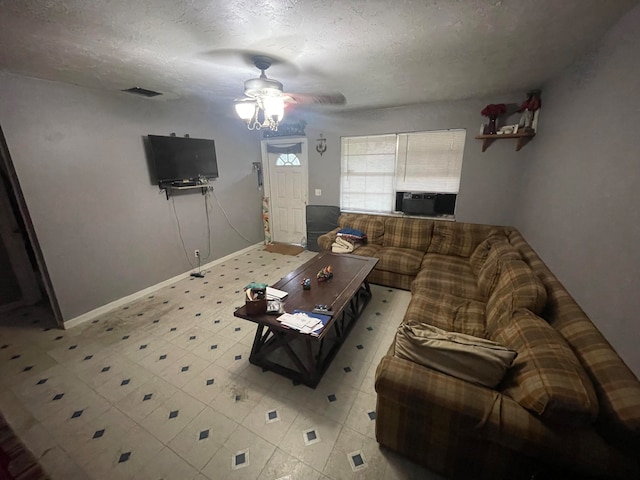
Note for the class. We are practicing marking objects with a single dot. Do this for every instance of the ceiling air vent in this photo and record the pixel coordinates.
(142, 92)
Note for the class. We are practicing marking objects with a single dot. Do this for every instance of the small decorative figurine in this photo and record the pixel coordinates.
(325, 274)
(306, 283)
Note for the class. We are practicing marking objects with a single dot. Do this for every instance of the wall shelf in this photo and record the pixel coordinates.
(522, 139)
(169, 188)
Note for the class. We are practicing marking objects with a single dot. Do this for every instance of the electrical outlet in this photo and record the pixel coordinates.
(196, 252)
(318, 192)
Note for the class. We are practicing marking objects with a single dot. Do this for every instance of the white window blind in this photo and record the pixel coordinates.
(375, 167)
(430, 161)
(368, 173)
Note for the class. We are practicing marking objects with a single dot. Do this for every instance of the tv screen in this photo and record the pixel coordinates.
(177, 159)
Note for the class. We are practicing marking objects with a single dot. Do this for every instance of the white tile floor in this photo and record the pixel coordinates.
(163, 388)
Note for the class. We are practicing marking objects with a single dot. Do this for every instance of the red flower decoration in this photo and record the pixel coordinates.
(493, 110)
(532, 102)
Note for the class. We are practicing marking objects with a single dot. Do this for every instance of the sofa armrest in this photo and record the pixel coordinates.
(417, 404)
(415, 386)
(326, 239)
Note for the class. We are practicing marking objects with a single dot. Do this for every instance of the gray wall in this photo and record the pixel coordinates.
(489, 182)
(580, 198)
(104, 229)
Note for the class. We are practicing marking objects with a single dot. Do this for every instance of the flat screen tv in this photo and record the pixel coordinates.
(182, 159)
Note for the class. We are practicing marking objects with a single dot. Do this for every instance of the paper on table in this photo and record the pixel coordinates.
(274, 293)
(299, 321)
(322, 320)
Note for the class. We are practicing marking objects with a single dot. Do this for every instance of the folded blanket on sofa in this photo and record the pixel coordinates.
(342, 246)
(353, 235)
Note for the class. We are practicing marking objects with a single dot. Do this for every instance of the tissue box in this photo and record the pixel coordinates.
(256, 307)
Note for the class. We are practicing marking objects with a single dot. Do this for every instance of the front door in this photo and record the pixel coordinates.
(287, 186)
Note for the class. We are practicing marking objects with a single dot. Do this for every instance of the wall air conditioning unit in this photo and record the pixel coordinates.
(426, 204)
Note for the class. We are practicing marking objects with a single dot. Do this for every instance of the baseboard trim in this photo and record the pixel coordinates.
(92, 314)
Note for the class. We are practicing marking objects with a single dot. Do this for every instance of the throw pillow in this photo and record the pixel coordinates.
(468, 358)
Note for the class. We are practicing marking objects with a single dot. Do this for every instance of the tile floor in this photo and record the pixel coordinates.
(163, 388)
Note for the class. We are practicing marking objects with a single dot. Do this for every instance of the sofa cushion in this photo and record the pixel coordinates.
(517, 288)
(410, 233)
(448, 312)
(368, 250)
(546, 378)
(447, 274)
(372, 225)
(489, 271)
(469, 358)
(460, 239)
(480, 254)
(399, 260)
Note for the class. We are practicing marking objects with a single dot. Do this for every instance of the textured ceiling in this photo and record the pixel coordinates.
(377, 53)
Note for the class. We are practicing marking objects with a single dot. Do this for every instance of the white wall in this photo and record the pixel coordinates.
(489, 181)
(104, 229)
(580, 199)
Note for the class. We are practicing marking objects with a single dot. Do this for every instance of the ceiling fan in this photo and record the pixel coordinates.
(265, 100)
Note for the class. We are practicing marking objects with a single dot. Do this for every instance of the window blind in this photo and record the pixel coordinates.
(430, 161)
(368, 173)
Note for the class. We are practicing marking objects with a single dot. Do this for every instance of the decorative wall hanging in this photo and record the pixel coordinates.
(266, 224)
(321, 145)
(257, 167)
(287, 129)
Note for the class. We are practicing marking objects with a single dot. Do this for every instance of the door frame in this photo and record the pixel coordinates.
(19, 260)
(266, 178)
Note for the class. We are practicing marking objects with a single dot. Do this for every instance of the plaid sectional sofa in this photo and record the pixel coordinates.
(568, 403)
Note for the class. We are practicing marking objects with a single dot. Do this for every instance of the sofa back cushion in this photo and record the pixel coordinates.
(480, 254)
(372, 225)
(488, 272)
(459, 239)
(517, 288)
(449, 312)
(412, 233)
(546, 378)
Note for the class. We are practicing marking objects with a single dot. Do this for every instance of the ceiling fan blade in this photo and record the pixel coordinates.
(241, 58)
(318, 99)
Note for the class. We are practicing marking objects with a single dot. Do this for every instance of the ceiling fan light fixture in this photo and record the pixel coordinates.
(274, 108)
(262, 87)
(262, 111)
(246, 110)
(264, 99)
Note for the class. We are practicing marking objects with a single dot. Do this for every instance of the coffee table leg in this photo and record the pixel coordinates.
(257, 342)
(313, 371)
(266, 342)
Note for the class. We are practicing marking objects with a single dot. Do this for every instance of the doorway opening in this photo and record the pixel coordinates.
(24, 277)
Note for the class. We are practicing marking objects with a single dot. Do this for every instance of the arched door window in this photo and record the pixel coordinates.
(288, 160)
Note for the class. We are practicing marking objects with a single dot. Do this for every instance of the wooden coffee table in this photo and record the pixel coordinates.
(304, 358)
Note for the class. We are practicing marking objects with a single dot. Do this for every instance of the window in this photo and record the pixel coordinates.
(374, 167)
(368, 173)
(288, 160)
